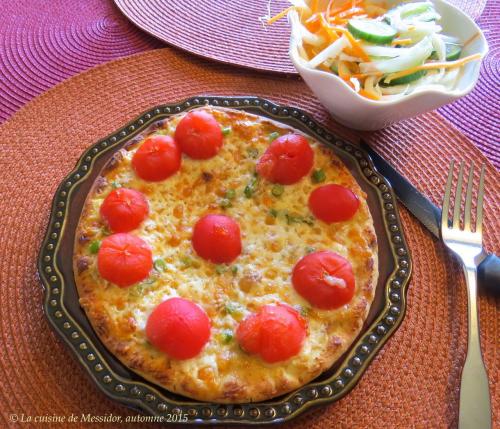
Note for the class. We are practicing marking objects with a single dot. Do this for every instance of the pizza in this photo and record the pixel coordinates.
(225, 256)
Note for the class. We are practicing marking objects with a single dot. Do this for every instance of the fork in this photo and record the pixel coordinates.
(475, 407)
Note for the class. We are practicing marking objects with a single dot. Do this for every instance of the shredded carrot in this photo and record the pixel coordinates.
(434, 65)
(313, 23)
(350, 12)
(327, 30)
(368, 94)
(344, 72)
(365, 75)
(344, 7)
(402, 42)
(356, 47)
(281, 14)
(470, 39)
(314, 6)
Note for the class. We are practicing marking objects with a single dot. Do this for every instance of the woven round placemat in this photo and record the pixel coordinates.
(41, 46)
(413, 382)
(229, 31)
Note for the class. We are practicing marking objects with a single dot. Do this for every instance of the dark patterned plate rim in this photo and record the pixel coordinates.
(144, 396)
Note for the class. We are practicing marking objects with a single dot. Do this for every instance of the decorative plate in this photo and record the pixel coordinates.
(118, 382)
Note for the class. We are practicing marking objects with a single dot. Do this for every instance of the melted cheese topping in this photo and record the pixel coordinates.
(276, 232)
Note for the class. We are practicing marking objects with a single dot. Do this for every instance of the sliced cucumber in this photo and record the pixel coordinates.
(335, 68)
(412, 9)
(452, 52)
(371, 31)
(412, 12)
(405, 79)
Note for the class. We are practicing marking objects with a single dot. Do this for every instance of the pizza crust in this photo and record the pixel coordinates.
(271, 247)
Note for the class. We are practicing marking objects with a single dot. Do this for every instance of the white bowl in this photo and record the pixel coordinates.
(355, 111)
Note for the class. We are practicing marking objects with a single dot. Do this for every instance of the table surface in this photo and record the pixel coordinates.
(41, 46)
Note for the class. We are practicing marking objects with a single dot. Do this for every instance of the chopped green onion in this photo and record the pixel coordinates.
(220, 269)
(115, 185)
(186, 261)
(292, 218)
(159, 264)
(225, 203)
(318, 176)
(163, 131)
(150, 280)
(227, 336)
(232, 308)
(248, 191)
(309, 220)
(310, 249)
(252, 152)
(226, 130)
(273, 212)
(273, 136)
(136, 291)
(95, 246)
(277, 190)
(234, 269)
(251, 187)
(230, 194)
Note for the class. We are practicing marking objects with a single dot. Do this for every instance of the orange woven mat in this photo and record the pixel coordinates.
(413, 382)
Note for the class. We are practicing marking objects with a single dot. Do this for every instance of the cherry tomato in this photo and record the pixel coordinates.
(325, 279)
(216, 238)
(333, 203)
(124, 209)
(179, 328)
(275, 333)
(124, 259)
(158, 158)
(199, 135)
(287, 160)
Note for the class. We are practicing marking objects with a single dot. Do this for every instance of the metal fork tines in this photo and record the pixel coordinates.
(466, 243)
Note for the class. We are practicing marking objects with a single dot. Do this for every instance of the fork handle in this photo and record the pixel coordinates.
(475, 405)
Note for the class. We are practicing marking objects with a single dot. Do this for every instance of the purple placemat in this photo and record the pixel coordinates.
(43, 43)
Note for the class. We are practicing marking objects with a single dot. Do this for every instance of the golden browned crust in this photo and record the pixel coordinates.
(223, 372)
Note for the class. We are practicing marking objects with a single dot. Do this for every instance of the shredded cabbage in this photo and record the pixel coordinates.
(412, 57)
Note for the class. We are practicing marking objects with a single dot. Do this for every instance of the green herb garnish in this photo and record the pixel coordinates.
(186, 261)
(95, 246)
(309, 220)
(277, 190)
(225, 203)
(230, 194)
(318, 176)
(136, 291)
(234, 270)
(232, 308)
(220, 269)
(252, 152)
(159, 264)
(226, 336)
(226, 130)
(162, 131)
(115, 185)
(251, 187)
(293, 218)
(273, 212)
(310, 249)
(273, 136)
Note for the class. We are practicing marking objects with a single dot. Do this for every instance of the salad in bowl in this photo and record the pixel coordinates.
(374, 62)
